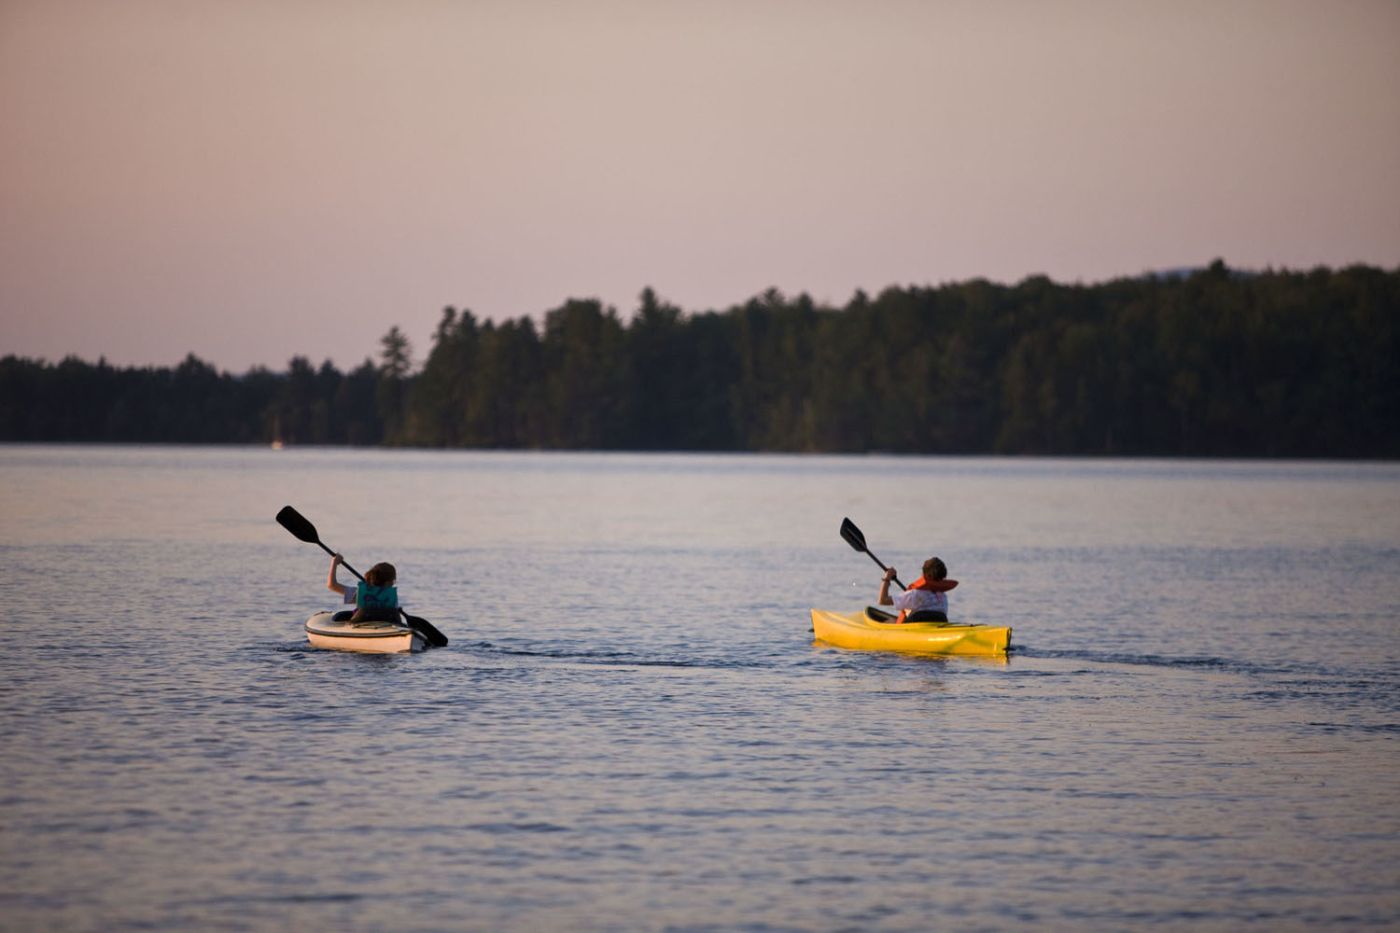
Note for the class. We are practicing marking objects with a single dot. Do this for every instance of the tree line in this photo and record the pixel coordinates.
(1209, 363)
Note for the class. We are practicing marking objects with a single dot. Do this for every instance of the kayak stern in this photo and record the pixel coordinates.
(324, 631)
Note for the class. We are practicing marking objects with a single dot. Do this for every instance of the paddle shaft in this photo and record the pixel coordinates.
(342, 560)
(883, 567)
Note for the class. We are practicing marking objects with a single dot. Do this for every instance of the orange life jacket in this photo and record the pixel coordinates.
(933, 586)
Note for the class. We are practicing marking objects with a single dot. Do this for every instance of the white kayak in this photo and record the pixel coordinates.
(324, 631)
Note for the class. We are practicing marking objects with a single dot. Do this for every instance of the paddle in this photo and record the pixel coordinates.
(855, 539)
(292, 520)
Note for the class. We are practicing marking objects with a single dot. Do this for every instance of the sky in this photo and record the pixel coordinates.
(249, 180)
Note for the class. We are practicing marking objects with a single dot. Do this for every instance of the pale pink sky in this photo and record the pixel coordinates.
(253, 179)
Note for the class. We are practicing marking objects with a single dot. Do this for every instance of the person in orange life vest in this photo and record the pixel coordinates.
(926, 600)
(375, 598)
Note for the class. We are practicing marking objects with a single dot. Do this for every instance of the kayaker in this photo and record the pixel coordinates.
(375, 598)
(926, 600)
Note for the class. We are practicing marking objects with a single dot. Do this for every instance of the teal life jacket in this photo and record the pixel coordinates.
(368, 596)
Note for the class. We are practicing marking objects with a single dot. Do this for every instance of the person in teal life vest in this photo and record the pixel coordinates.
(926, 600)
(375, 597)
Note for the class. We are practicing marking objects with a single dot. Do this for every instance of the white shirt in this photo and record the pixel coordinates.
(920, 600)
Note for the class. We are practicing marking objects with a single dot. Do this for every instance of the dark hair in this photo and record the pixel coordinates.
(935, 569)
(381, 575)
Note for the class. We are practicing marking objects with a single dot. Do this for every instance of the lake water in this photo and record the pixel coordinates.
(633, 728)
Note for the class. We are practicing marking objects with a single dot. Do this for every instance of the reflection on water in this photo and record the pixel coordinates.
(633, 726)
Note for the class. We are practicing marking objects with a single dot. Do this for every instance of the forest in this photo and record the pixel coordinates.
(1212, 362)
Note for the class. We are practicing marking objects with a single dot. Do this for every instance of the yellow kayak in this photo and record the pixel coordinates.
(860, 630)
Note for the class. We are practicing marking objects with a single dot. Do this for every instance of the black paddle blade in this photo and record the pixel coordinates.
(290, 519)
(852, 534)
(425, 628)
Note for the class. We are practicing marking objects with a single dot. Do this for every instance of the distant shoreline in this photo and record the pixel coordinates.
(1208, 364)
(796, 455)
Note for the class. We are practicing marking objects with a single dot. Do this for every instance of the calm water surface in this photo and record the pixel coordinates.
(633, 728)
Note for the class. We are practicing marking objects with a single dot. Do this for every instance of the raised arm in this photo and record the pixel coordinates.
(885, 599)
(332, 584)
